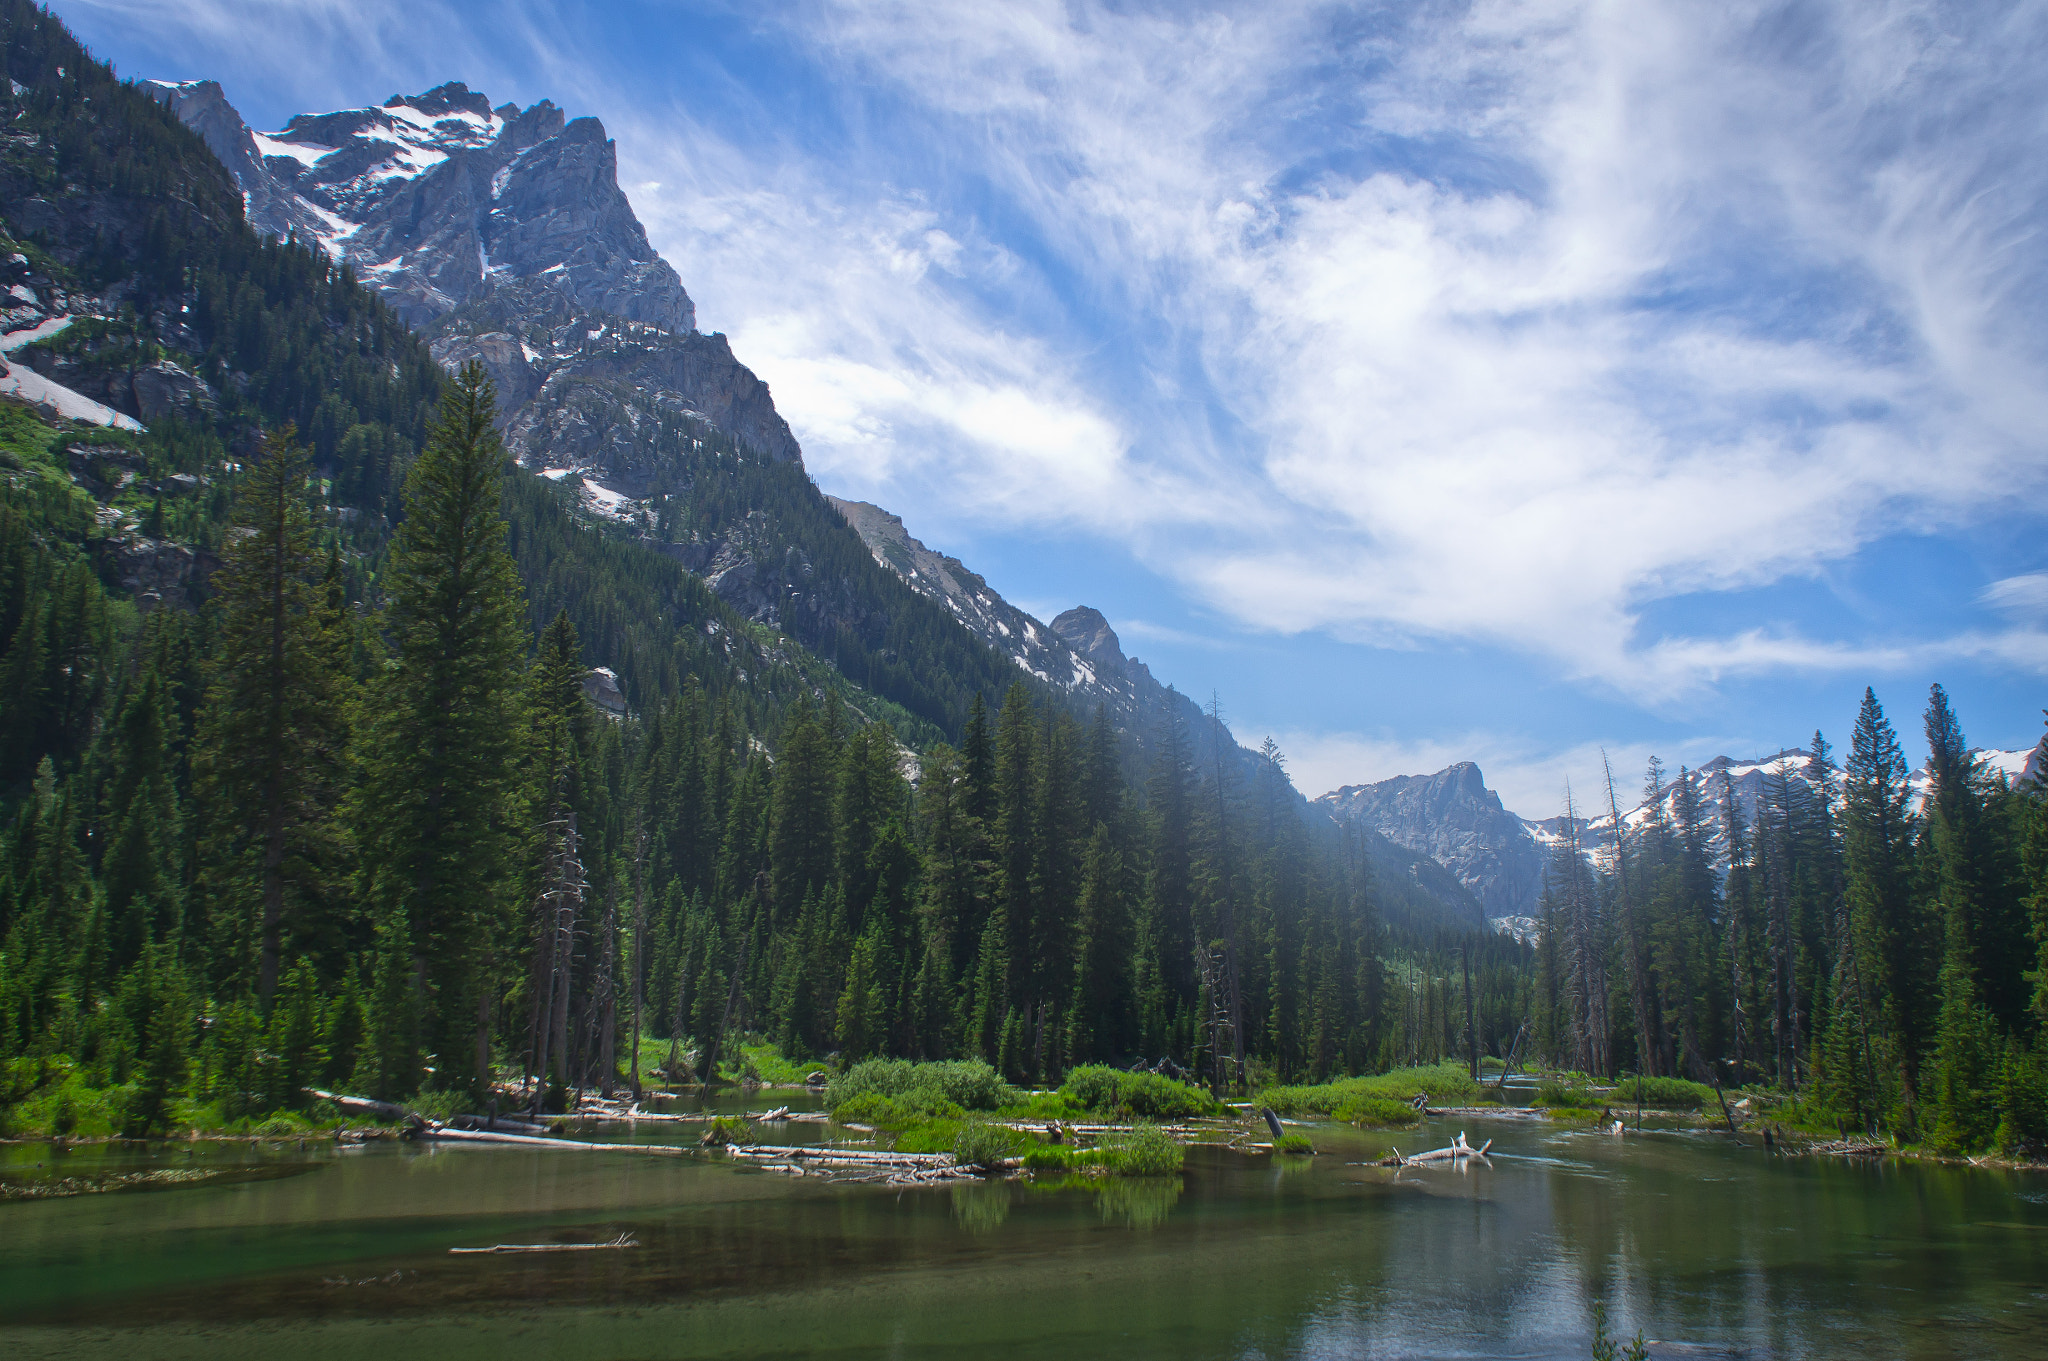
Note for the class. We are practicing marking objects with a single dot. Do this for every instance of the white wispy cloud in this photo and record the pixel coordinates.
(1519, 404)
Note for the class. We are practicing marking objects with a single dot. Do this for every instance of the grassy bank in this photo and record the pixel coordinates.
(1375, 1102)
(959, 1107)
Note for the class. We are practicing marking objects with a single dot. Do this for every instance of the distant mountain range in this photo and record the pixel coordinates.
(1500, 858)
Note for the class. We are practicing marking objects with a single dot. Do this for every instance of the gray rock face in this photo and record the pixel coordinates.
(153, 571)
(436, 198)
(145, 392)
(503, 236)
(1453, 818)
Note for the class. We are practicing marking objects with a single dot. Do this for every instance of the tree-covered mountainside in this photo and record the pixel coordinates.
(299, 781)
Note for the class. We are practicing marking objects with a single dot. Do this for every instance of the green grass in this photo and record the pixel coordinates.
(977, 1143)
(1669, 1092)
(1293, 1143)
(1572, 1113)
(1570, 1090)
(1146, 1151)
(1375, 1101)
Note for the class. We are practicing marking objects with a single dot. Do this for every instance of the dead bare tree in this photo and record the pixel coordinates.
(1638, 982)
(558, 909)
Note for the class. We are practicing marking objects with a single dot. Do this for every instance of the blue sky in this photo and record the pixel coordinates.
(1493, 381)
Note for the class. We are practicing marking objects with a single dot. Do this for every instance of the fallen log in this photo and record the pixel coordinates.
(446, 1134)
(622, 1241)
(361, 1105)
(842, 1156)
(503, 1124)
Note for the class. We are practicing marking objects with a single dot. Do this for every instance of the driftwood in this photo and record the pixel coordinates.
(1853, 1148)
(1038, 1127)
(622, 1241)
(819, 1153)
(361, 1105)
(447, 1134)
(504, 1124)
(391, 1111)
(855, 1164)
(1450, 1152)
(1273, 1124)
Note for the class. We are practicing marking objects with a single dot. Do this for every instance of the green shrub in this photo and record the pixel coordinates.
(1563, 1091)
(1670, 1092)
(1445, 1084)
(976, 1143)
(969, 1083)
(1053, 1158)
(896, 1112)
(1111, 1091)
(1146, 1151)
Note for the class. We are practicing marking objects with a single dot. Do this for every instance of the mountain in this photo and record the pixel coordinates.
(436, 199)
(1080, 657)
(502, 235)
(1453, 818)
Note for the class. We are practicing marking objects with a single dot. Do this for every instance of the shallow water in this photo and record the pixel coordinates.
(1710, 1248)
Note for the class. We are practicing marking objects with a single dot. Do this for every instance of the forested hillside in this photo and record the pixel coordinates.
(301, 784)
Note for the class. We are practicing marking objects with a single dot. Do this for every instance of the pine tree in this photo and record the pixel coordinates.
(141, 877)
(1886, 927)
(268, 762)
(436, 808)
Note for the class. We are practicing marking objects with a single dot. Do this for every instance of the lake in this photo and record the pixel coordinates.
(1712, 1249)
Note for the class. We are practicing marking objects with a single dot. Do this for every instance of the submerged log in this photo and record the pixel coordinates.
(622, 1241)
(446, 1134)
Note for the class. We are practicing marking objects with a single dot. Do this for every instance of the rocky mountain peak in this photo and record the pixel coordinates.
(436, 199)
(1084, 629)
(1453, 818)
(454, 97)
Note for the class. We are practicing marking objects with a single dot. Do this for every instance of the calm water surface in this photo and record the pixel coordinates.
(1711, 1249)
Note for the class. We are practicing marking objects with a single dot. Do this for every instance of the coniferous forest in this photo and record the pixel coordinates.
(301, 786)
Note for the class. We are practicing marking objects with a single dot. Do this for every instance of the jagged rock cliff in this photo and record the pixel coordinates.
(1453, 818)
(502, 234)
(436, 198)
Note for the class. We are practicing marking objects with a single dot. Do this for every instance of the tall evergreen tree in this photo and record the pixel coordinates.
(436, 810)
(268, 765)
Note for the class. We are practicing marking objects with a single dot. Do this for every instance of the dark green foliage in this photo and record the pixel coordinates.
(435, 803)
